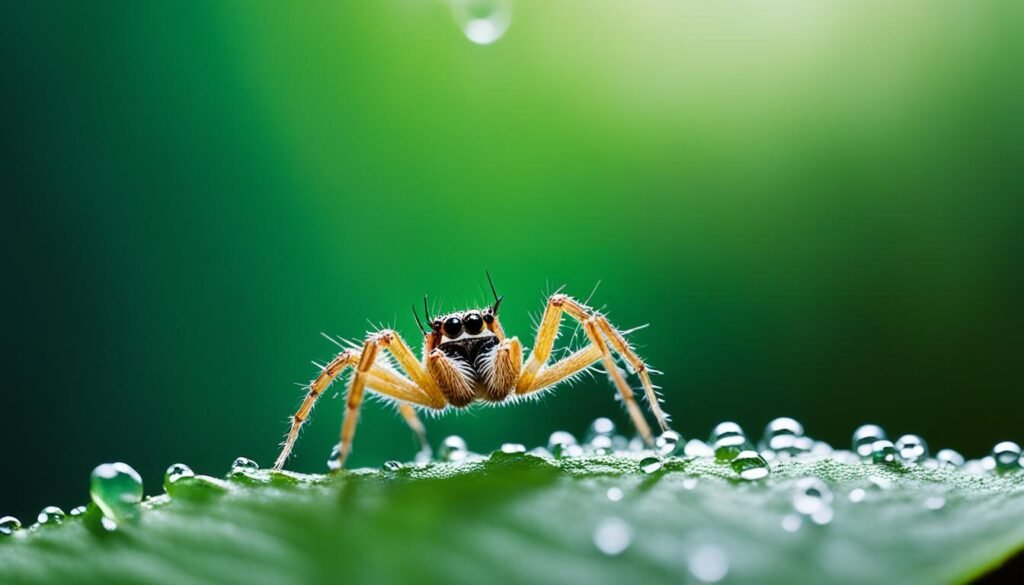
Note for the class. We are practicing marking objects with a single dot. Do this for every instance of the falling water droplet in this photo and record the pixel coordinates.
(912, 449)
(864, 439)
(453, 449)
(708, 564)
(482, 21)
(50, 515)
(116, 489)
(667, 443)
(243, 464)
(727, 440)
(615, 494)
(334, 459)
(9, 525)
(513, 448)
(883, 452)
(1006, 456)
(175, 473)
(613, 536)
(750, 465)
(949, 458)
(650, 464)
(77, 511)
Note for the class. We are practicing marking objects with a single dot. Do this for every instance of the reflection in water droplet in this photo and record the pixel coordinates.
(911, 449)
(750, 465)
(9, 525)
(883, 452)
(650, 464)
(511, 448)
(613, 536)
(483, 21)
(116, 488)
(615, 494)
(949, 458)
(667, 443)
(708, 564)
(175, 473)
(1006, 456)
(243, 464)
(864, 438)
(50, 515)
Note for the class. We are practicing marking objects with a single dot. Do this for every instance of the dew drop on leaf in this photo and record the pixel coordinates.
(750, 465)
(9, 525)
(50, 515)
(911, 449)
(116, 489)
(864, 439)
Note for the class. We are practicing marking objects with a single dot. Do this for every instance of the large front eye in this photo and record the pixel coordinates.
(474, 323)
(453, 327)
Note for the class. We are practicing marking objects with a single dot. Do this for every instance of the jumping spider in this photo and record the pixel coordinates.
(467, 358)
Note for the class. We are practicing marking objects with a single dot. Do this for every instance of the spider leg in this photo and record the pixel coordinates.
(414, 422)
(382, 379)
(535, 376)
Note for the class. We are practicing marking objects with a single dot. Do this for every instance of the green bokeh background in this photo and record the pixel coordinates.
(816, 205)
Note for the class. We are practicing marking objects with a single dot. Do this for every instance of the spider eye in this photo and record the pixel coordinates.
(436, 325)
(488, 317)
(453, 327)
(474, 324)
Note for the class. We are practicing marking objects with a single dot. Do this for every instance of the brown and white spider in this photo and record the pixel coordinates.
(467, 358)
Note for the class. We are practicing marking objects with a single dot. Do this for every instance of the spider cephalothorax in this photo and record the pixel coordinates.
(467, 358)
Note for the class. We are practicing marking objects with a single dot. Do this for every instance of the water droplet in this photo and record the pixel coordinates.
(175, 473)
(116, 488)
(243, 464)
(949, 458)
(601, 445)
(791, 522)
(9, 525)
(857, 495)
(482, 21)
(821, 449)
(453, 449)
(935, 503)
(600, 426)
(781, 434)
(50, 515)
(615, 494)
(750, 465)
(698, 448)
(911, 449)
(813, 498)
(708, 564)
(334, 459)
(511, 448)
(77, 511)
(559, 441)
(1007, 456)
(392, 465)
(864, 439)
(727, 440)
(650, 464)
(613, 536)
(667, 443)
(883, 452)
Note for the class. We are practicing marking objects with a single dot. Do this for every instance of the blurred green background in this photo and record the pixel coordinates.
(816, 205)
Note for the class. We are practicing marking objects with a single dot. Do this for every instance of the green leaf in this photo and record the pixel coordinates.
(524, 519)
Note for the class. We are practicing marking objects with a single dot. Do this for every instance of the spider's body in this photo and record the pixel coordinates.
(467, 358)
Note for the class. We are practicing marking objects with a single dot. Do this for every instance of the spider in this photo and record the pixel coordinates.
(467, 358)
